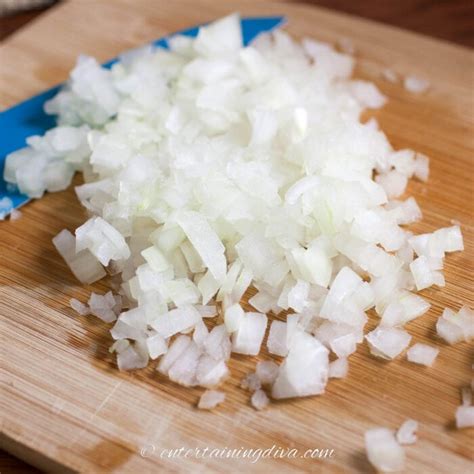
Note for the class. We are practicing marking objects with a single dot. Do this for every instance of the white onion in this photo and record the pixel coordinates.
(176, 320)
(211, 372)
(249, 335)
(79, 307)
(338, 369)
(343, 346)
(390, 75)
(131, 324)
(259, 399)
(133, 357)
(424, 273)
(266, 372)
(83, 265)
(205, 241)
(156, 346)
(387, 343)
(206, 311)
(6, 205)
(406, 434)
(422, 164)
(367, 94)
(119, 346)
(277, 339)
(218, 344)
(465, 417)
(415, 84)
(178, 346)
(15, 214)
(210, 167)
(422, 354)
(466, 396)
(210, 399)
(383, 450)
(251, 382)
(454, 327)
(233, 317)
(200, 333)
(404, 309)
(184, 368)
(346, 45)
(103, 306)
(102, 240)
(304, 371)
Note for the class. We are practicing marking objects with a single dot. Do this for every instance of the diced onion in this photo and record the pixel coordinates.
(422, 354)
(415, 84)
(259, 399)
(79, 307)
(465, 417)
(210, 167)
(406, 434)
(338, 369)
(383, 450)
(210, 399)
(388, 343)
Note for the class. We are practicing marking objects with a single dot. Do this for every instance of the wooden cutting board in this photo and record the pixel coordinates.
(65, 405)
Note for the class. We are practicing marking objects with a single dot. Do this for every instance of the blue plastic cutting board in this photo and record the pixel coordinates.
(28, 118)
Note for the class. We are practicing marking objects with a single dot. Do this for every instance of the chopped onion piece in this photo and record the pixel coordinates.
(15, 214)
(234, 317)
(465, 417)
(211, 372)
(206, 311)
(178, 346)
(422, 354)
(205, 241)
(156, 345)
(343, 346)
(102, 240)
(217, 343)
(266, 371)
(200, 333)
(80, 308)
(184, 368)
(259, 399)
(210, 399)
(119, 346)
(176, 320)
(422, 167)
(466, 396)
(390, 75)
(277, 339)
(248, 337)
(415, 84)
(387, 343)
(406, 434)
(135, 356)
(383, 450)
(102, 306)
(454, 327)
(83, 264)
(251, 382)
(304, 371)
(339, 368)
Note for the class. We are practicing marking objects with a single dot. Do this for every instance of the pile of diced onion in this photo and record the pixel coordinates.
(212, 167)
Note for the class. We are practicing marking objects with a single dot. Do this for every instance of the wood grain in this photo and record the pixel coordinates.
(66, 406)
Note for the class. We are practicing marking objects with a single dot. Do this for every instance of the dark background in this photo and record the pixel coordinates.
(450, 20)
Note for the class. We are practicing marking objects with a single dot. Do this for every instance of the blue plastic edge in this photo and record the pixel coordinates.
(28, 117)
